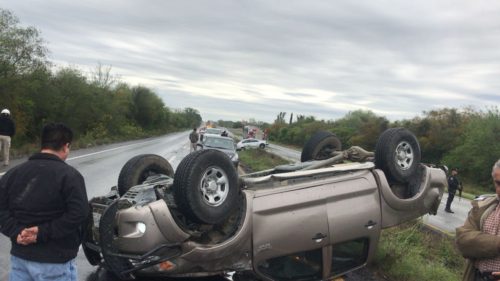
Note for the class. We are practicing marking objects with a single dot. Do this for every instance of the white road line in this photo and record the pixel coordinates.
(172, 159)
(103, 151)
(107, 150)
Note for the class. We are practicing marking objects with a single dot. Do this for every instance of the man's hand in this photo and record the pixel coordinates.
(28, 236)
(496, 275)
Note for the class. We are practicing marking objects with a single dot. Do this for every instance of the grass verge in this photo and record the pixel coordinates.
(410, 252)
(253, 160)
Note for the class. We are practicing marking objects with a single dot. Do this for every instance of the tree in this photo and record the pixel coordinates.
(148, 107)
(478, 147)
(23, 70)
(439, 131)
(102, 76)
(21, 48)
(360, 128)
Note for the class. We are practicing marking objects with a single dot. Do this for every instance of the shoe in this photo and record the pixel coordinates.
(449, 211)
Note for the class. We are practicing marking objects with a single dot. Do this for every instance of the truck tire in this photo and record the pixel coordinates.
(397, 153)
(139, 168)
(93, 257)
(206, 187)
(320, 146)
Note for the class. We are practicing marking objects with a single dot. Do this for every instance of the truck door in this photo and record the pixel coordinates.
(290, 230)
(354, 219)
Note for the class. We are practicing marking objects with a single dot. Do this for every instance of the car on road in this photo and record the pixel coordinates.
(313, 220)
(251, 143)
(224, 144)
(214, 131)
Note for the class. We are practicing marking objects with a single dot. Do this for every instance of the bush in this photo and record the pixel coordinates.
(411, 253)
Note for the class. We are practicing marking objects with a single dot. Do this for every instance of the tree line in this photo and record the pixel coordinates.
(99, 108)
(464, 138)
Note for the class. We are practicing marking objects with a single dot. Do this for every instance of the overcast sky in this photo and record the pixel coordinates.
(237, 60)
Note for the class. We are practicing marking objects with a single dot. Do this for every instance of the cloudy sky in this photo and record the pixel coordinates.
(237, 60)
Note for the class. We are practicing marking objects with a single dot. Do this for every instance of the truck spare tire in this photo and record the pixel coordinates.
(139, 168)
(206, 186)
(397, 153)
(320, 146)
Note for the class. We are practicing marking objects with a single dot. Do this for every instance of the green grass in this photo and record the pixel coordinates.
(254, 160)
(411, 253)
(475, 189)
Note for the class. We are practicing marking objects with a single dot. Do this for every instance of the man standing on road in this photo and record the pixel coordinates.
(43, 207)
(479, 238)
(7, 131)
(453, 186)
(193, 138)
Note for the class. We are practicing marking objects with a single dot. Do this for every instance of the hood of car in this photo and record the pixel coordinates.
(228, 152)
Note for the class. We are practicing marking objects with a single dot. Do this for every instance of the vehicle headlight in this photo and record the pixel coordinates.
(140, 227)
(233, 156)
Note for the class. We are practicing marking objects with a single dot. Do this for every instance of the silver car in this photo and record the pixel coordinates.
(314, 220)
(224, 144)
(251, 143)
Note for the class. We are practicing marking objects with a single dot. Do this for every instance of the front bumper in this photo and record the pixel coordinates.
(113, 239)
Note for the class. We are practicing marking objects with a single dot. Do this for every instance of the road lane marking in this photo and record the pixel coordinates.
(107, 150)
(172, 159)
(98, 152)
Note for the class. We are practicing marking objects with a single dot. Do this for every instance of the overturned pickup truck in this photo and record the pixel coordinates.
(314, 220)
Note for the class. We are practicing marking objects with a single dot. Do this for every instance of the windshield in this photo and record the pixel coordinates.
(219, 143)
(213, 131)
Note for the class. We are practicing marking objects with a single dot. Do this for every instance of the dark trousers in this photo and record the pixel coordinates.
(451, 196)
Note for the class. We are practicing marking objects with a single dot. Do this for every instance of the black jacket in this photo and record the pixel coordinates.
(48, 193)
(453, 184)
(7, 127)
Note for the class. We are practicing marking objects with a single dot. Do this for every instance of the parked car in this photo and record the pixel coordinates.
(214, 131)
(314, 220)
(251, 143)
(224, 144)
(210, 131)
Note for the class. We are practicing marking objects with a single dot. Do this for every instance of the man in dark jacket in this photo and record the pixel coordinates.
(43, 207)
(7, 131)
(193, 139)
(453, 186)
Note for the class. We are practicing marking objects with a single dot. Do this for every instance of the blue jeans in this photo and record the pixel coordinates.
(24, 270)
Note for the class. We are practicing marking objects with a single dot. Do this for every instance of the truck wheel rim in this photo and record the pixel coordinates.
(214, 186)
(404, 155)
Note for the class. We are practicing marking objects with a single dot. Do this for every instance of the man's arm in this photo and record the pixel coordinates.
(473, 243)
(9, 226)
(77, 210)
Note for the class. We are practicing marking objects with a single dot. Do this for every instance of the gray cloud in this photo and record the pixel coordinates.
(253, 59)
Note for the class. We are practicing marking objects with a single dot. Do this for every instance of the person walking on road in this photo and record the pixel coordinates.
(43, 209)
(453, 186)
(7, 131)
(479, 238)
(193, 138)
